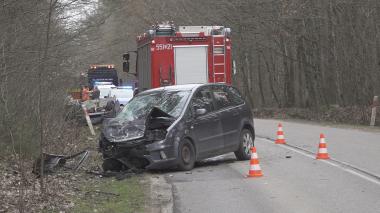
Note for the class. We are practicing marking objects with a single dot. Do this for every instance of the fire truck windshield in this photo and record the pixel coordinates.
(101, 75)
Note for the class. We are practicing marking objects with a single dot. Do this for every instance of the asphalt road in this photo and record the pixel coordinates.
(293, 180)
(354, 146)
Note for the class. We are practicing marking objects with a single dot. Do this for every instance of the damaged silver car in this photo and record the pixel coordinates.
(176, 126)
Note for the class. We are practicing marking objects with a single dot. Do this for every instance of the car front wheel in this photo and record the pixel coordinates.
(186, 155)
(246, 143)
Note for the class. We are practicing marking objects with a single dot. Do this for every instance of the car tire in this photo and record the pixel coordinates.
(186, 155)
(246, 142)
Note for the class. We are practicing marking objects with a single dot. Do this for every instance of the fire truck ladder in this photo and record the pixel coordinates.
(219, 58)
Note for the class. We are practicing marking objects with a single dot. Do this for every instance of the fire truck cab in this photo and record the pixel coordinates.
(102, 73)
(189, 54)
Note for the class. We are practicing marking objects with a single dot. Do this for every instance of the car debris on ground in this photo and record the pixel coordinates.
(53, 162)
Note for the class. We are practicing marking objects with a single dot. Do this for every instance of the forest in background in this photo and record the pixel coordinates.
(43, 45)
(289, 53)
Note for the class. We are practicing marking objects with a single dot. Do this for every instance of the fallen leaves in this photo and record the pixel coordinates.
(59, 186)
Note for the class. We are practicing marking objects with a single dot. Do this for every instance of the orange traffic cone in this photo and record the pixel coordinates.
(322, 150)
(280, 135)
(254, 169)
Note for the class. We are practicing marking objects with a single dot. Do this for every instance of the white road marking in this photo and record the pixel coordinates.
(375, 181)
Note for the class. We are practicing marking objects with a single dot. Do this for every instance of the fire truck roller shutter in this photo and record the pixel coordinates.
(144, 67)
(190, 64)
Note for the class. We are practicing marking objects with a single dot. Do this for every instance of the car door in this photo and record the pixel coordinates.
(206, 128)
(229, 112)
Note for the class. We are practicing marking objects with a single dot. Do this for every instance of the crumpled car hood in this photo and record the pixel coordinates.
(119, 130)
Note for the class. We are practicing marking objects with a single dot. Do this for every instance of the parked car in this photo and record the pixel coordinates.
(176, 126)
(123, 94)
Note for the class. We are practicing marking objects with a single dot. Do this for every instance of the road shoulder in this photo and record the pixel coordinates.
(161, 194)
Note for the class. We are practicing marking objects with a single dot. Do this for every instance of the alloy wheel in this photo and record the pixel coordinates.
(247, 143)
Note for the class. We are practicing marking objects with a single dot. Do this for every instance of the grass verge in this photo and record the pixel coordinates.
(110, 195)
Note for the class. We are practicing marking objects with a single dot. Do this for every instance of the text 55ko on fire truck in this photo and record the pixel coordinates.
(191, 54)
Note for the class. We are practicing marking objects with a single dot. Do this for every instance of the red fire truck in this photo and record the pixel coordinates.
(189, 54)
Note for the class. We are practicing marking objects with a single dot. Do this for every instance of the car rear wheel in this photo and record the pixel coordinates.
(246, 143)
(186, 155)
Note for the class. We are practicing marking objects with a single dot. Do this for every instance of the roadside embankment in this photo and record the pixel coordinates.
(356, 115)
(85, 189)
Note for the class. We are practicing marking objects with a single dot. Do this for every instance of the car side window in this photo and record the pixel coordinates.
(235, 95)
(223, 99)
(189, 114)
(203, 100)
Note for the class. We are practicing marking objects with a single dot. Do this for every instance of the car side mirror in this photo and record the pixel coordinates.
(126, 66)
(126, 56)
(200, 112)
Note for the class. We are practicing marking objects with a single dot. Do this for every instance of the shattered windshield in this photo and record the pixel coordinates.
(171, 102)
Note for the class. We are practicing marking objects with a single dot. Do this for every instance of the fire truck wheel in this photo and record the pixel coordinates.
(186, 155)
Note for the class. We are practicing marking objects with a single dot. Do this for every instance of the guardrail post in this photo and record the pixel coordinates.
(374, 107)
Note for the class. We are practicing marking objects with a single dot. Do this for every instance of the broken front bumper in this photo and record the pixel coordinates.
(161, 155)
(141, 154)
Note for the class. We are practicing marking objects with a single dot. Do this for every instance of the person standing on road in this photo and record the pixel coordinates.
(85, 93)
(95, 93)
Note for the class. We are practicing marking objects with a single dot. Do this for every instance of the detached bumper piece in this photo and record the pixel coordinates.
(52, 162)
